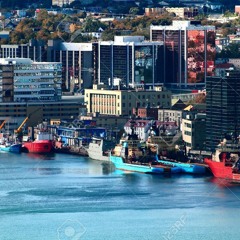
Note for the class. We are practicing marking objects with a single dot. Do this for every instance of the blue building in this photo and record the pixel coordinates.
(77, 136)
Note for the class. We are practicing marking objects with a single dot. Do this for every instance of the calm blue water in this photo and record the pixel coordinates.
(64, 197)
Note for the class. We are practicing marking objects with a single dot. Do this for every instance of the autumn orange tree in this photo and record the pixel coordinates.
(49, 26)
(44, 27)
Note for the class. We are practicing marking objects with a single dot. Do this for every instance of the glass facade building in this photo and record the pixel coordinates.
(189, 52)
(77, 63)
(131, 60)
(22, 80)
(222, 107)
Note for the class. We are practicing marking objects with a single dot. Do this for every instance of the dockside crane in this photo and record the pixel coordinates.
(3, 123)
(18, 131)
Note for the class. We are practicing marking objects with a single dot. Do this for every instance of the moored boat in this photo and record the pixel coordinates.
(225, 162)
(11, 147)
(186, 167)
(131, 155)
(98, 149)
(60, 147)
(150, 168)
(42, 144)
(8, 143)
(190, 168)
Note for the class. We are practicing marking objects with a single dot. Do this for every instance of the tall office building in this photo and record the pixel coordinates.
(222, 107)
(77, 62)
(189, 52)
(131, 61)
(22, 80)
(35, 50)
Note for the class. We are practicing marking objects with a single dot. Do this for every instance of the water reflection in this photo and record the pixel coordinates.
(50, 156)
(224, 183)
(47, 171)
(107, 168)
(132, 177)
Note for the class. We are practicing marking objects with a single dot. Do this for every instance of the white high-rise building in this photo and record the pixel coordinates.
(22, 80)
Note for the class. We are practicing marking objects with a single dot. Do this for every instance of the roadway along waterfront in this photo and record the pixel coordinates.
(62, 197)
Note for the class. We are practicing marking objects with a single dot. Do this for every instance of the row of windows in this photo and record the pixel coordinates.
(149, 96)
(106, 119)
(189, 125)
(33, 86)
(27, 80)
(12, 110)
(105, 104)
(60, 109)
(14, 115)
(41, 74)
(107, 111)
(36, 99)
(45, 110)
(48, 66)
(57, 114)
(188, 133)
(170, 114)
(129, 96)
(35, 92)
(142, 104)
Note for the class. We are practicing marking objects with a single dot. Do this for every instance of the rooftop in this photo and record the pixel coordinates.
(183, 25)
(25, 61)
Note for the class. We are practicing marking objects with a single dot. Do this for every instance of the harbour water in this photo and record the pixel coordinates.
(62, 197)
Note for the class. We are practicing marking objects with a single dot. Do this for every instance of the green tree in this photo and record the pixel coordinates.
(108, 35)
(93, 25)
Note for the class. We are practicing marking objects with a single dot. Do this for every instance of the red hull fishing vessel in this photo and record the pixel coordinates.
(42, 144)
(225, 162)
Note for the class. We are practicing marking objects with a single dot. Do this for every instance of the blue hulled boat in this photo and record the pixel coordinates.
(150, 168)
(191, 168)
(14, 148)
(131, 155)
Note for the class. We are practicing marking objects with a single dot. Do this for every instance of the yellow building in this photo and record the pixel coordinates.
(194, 130)
(121, 102)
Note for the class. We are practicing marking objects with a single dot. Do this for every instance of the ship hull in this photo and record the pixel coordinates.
(188, 168)
(14, 148)
(39, 146)
(219, 170)
(98, 157)
(97, 151)
(150, 169)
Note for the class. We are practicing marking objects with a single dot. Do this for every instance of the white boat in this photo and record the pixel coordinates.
(98, 149)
